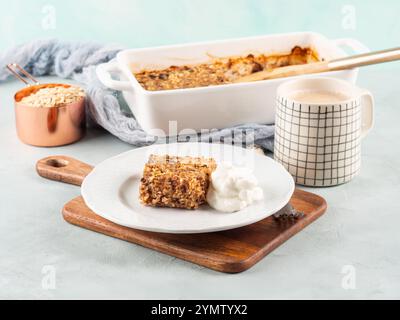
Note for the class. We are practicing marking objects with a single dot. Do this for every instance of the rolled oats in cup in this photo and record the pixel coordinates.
(50, 115)
(49, 97)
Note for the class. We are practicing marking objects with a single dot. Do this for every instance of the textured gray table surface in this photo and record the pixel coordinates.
(352, 252)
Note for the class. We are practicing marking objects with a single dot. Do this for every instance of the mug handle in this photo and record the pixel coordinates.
(367, 112)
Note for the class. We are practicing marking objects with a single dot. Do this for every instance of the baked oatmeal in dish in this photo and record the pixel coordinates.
(176, 182)
(220, 70)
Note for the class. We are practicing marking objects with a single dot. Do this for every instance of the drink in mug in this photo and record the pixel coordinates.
(320, 123)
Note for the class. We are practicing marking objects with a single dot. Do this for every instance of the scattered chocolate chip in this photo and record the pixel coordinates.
(256, 67)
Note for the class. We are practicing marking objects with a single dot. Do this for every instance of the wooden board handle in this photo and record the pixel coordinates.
(64, 169)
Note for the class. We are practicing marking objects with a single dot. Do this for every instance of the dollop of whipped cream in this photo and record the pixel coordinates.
(233, 188)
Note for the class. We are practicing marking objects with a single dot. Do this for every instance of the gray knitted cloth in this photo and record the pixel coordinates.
(78, 61)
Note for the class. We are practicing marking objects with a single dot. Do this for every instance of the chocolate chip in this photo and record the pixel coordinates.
(256, 67)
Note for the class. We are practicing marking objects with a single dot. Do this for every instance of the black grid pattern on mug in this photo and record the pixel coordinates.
(318, 145)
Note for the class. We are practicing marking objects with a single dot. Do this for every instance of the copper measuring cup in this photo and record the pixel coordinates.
(42, 126)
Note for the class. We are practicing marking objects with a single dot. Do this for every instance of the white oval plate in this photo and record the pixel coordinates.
(112, 190)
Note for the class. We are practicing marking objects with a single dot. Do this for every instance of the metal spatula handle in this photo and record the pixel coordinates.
(365, 59)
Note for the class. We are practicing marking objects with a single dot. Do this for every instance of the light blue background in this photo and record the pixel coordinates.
(137, 23)
(141, 23)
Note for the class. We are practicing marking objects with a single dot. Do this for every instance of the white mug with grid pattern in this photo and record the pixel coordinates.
(320, 143)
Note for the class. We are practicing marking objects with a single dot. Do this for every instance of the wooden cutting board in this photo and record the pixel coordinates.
(230, 251)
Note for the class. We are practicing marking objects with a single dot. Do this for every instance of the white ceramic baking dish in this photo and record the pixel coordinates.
(171, 111)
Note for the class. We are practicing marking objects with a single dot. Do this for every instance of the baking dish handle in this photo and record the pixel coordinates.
(355, 45)
(104, 74)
